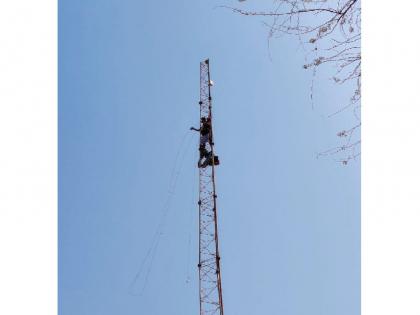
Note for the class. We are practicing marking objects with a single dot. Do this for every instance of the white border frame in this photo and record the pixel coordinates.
(390, 158)
(28, 157)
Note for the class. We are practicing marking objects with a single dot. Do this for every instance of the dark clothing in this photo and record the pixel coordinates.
(205, 132)
(205, 128)
(203, 152)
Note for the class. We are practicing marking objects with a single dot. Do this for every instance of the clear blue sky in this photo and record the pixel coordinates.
(128, 92)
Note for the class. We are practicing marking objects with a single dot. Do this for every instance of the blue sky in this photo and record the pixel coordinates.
(128, 92)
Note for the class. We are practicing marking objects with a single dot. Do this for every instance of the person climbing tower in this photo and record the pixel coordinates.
(206, 157)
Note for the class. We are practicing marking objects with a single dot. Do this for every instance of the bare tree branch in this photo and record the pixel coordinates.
(332, 31)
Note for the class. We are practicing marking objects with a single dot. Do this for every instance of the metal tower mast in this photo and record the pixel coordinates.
(210, 290)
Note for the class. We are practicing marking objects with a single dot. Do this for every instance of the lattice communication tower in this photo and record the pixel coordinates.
(210, 283)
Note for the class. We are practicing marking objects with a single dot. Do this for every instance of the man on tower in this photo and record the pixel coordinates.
(205, 137)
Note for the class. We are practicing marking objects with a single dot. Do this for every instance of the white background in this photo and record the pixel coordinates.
(390, 158)
(28, 157)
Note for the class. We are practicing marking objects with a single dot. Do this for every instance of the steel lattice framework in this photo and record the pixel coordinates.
(210, 290)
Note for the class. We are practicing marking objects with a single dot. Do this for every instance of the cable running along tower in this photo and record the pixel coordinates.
(210, 284)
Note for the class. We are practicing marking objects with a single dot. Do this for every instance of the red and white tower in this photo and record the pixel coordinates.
(210, 286)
